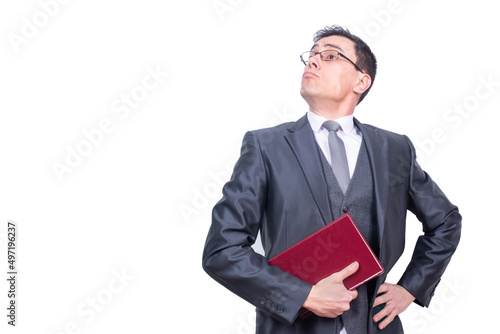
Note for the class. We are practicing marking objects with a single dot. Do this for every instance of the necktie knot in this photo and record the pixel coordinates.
(332, 126)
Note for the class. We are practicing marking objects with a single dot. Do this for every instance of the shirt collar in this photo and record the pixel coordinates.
(316, 121)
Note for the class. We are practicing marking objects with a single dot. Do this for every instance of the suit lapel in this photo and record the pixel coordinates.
(300, 137)
(301, 140)
(377, 155)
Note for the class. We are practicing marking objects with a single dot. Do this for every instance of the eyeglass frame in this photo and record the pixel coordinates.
(313, 53)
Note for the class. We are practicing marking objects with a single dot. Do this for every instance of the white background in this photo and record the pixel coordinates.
(138, 203)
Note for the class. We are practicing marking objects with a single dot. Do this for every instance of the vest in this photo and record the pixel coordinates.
(359, 201)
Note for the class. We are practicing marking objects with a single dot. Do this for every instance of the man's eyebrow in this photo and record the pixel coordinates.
(330, 46)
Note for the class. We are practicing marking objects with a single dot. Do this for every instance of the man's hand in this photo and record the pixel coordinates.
(329, 298)
(396, 299)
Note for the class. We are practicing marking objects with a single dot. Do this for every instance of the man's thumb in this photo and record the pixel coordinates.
(348, 271)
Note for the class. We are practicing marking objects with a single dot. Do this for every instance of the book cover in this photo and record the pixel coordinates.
(329, 250)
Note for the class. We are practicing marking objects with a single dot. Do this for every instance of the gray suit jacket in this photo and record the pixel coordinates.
(278, 187)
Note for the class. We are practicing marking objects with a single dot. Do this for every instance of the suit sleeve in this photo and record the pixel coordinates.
(441, 223)
(228, 256)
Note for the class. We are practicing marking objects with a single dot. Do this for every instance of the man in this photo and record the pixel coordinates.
(288, 184)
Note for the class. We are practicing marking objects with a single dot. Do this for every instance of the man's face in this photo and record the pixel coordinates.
(330, 81)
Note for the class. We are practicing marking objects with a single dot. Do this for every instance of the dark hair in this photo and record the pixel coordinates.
(365, 58)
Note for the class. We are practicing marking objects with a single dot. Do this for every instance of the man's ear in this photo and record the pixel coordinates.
(362, 84)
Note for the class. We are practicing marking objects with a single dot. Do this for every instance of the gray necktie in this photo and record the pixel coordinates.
(338, 155)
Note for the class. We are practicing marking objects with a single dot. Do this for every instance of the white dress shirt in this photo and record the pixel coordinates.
(349, 134)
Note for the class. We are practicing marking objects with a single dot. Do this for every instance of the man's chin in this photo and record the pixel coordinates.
(308, 93)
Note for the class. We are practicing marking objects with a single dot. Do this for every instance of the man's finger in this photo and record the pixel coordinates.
(381, 299)
(383, 288)
(348, 271)
(354, 294)
(388, 319)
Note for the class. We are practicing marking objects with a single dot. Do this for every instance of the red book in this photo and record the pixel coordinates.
(329, 250)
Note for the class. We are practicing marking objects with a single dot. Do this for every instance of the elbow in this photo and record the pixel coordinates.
(209, 264)
(453, 230)
(456, 220)
(205, 263)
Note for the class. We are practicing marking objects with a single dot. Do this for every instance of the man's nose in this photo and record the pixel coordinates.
(314, 61)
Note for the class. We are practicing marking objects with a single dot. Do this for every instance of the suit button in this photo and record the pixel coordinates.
(345, 209)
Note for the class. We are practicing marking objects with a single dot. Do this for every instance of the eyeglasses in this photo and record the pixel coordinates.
(326, 55)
